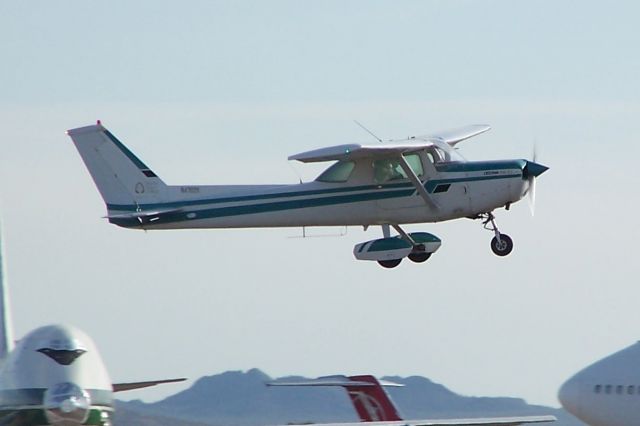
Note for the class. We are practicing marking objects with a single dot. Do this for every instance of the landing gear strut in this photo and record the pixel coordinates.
(501, 244)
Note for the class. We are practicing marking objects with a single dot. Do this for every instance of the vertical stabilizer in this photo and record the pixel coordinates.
(6, 330)
(370, 400)
(121, 177)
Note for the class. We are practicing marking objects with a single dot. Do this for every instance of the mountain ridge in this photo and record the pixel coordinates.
(237, 398)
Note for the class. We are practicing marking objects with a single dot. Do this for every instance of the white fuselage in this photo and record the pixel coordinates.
(55, 375)
(465, 191)
(606, 393)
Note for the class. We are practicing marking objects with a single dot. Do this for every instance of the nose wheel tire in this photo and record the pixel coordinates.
(389, 263)
(419, 257)
(502, 247)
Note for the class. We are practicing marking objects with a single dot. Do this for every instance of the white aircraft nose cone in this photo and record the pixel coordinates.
(569, 396)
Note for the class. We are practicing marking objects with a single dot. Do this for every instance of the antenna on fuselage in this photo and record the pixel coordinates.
(368, 131)
(6, 331)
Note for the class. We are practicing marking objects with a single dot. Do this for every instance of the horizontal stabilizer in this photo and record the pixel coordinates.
(141, 214)
(331, 381)
(120, 387)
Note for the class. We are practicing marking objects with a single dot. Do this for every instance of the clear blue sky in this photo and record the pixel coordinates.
(223, 92)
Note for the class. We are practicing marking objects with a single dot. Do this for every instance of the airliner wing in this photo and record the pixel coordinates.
(488, 421)
(120, 387)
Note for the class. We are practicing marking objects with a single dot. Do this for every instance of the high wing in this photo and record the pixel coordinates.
(489, 421)
(359, 151)
(454, 136)
(444, 140)
(120, 387)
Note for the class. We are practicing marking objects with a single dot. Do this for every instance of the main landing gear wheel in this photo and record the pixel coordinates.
(389, 263)
(503, 246)
(419, 257)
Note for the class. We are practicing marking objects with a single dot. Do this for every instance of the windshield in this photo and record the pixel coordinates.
(390, 169)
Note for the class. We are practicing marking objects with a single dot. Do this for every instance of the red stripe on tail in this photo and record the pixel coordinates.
(371, 402)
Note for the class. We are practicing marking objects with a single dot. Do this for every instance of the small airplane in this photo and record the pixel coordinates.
(606, 393)
(413, 180)
(54, 375)
(373, 404)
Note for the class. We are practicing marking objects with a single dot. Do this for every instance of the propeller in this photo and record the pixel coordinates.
(530, 172)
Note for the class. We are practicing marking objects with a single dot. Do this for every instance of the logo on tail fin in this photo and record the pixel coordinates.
(370, 404)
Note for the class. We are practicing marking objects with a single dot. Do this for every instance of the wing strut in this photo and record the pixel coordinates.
(417, 183)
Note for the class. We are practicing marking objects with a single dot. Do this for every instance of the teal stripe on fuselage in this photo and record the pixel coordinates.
(430, 186)
(480, 166)
(270, 207)
(299, 203)
(255, 197)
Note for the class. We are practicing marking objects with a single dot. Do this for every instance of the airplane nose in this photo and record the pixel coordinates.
(569, 396)
(533, 169)
(67, 404)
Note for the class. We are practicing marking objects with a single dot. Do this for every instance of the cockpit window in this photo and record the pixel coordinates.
(339, 172)
(62, 356)
(390, 169)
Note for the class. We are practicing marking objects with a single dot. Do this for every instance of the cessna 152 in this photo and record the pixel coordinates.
(414, 180)
(374, 406)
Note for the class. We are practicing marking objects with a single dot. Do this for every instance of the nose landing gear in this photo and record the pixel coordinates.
(501, 244)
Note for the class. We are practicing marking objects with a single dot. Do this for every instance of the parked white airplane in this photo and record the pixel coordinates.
(606, 393)
(415, 180)
(373, 405)
(53, 376)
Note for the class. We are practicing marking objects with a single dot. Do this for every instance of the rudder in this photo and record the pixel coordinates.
(371, 401)
(123, 180)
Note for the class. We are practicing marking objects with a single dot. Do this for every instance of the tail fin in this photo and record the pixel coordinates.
(370, 400)
(6, 328)
(122, 179)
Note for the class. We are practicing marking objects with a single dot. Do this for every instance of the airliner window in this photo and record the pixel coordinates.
(339, 172)
(389, 169)
(607, 389)
(62, 356)
(631, 390)
(597, 388)
(619, 389)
